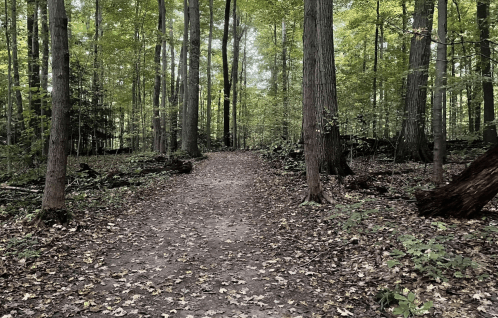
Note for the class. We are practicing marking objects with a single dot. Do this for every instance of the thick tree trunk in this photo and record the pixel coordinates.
(173, 144)
(440, 94)
(326, 93)
(210, 41)
(192, 119)
(9, 90)
(413, 142)
(467, 194)
(310, 127)
(489, 134)
(226, 79)
(53, 195)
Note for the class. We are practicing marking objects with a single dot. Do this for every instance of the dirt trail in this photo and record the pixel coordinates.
(194, 253)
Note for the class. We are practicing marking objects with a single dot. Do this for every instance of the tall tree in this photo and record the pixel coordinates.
(326, 92)
(192, 115)
(489, 134)
(235, 70)
(34, 65)
(53, 196)
(156, 120)
(9, 89)
(310, 127)
(184, 73)
(45, 109)
(376, 62)
(173, 144)
(163, 139)
(285, 80)
(15, 69)
(210, 43)
(226, 79)
(412, 139)
(440, 94)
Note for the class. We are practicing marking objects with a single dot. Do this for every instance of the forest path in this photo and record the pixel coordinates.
(195, 252)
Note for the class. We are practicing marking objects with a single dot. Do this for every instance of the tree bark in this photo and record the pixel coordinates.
(209, 101)
(156, 120)
(235, 70)
(15, 69)
(9, 90)
(310, 127)
(413, 142)
(376, 62)
(440, 94)
(467, 194)
(45, 109)
(326, 93)
(192, 119)
(489, 133)
(226, 79)
(285, 81)
(53, 195)
(162, 134)
(184, 74)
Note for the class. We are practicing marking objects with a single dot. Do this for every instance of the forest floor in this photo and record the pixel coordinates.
(232, 239)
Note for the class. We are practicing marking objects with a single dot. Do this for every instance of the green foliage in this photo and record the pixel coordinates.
(386, 298)
(21, 247)
(431, 258)
(409, 305)
(288, 153)
(355, 211)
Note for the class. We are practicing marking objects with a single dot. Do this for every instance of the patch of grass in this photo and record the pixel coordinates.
(21, 247)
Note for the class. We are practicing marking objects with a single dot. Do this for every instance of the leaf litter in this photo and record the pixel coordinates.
(232, 240)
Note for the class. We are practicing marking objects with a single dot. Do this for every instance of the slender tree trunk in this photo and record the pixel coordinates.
(210, 41)
(45, 109)
(235, 70)
(226, 79)
(489, 134)
(156, 121)
(440, 93)
(15, 65)
(413, 142)
(311, 145)
(34, 65)
(184, 75)
(95, 78)
(376, 61)
(53, 196)
(173, 144)
(285, 83)
(9, 90)
(163, 139)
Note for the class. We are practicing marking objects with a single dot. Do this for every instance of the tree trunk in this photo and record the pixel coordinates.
(326, 93)
(45, 109)
(9, 90)
(489, 134)
(376, 62)
(226, 79)
(34, 65)
(163, 139)
(210, 41)
(53, 196)
(184, 74)
(235, 70)
(15, 66)
(311, 145)
(440, 94)
(156, 121)
(467, 194)
(192, 114)
(285, 80)
(173, 144)
(413, 142)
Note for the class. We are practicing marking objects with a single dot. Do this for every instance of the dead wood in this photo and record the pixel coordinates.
(467, 194)
(19, 189)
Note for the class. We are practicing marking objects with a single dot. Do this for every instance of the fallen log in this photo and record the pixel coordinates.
(467, 194)
(19, 189)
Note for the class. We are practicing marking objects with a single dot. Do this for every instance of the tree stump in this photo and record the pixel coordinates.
(467, 194)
